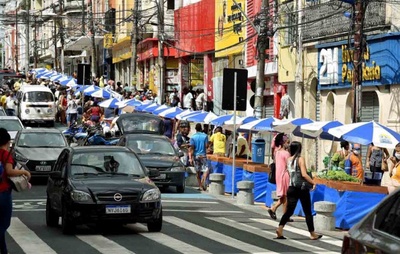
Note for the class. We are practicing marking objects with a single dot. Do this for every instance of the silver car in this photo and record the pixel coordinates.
(12, 124)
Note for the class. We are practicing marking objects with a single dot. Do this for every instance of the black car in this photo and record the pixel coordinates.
(38, 149)
(102, 184)
(379, 231)
(140, 123)
(157, 152)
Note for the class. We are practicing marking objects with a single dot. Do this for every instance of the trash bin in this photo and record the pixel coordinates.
(258, 150)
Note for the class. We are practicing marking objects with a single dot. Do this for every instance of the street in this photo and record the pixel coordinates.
(194, 222)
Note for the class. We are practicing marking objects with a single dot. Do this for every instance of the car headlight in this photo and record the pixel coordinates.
(80, 196)
(49, 110)
(151, 195)
(27, 111)
(177, 169)
(21, 158)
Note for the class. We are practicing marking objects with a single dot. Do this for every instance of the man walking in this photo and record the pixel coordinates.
(198, 154)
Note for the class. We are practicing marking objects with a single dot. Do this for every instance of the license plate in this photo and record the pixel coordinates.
(161, 176)
(115, 209)
(43, 168)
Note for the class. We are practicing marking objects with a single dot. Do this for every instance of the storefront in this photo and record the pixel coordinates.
(121, 58)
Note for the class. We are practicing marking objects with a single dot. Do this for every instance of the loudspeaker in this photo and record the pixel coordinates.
(83, 72)
(228, 89)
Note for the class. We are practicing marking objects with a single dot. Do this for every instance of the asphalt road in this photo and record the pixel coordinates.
(194, 223)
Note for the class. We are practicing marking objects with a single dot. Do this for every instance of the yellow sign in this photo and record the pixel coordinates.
(108, 41)
(231, 24)
(368, 72)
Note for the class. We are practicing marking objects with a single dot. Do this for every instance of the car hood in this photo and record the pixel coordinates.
(40, 153)
(152, 161)
(112, 184)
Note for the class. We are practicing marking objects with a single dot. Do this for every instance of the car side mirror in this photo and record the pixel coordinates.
(55, 175)
(180, 154)
(154, 173)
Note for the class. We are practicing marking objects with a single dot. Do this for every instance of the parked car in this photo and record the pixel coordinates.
(379, 231)
(12, 124)
(102, 184)
(140, 123)
(157, 152)
(38, 149)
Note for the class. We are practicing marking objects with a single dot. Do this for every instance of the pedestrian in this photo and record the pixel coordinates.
(376, 158)
(281, 145)
(6, 170)
(187, 99)
(72, 110)
(296, 162)
(198, 154)
(11, 104)
(218, 141)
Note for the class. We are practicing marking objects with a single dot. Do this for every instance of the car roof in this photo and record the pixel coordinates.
(42, 130)
(145, 136)
(9, 118)
(29, 88)
(100, 148)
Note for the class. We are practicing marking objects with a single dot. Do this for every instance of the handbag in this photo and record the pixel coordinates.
(298, 180)
(19, 183)
(384, 166)
(272, 173)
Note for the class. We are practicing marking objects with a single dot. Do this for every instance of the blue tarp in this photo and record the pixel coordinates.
(260, 180)
(217, 167)
(227, 170)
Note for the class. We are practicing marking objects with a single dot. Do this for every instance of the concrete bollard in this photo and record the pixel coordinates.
(217, 186)
(245, 195)
(324, 220)
(191, 179)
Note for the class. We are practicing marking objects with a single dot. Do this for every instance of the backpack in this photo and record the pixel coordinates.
(271, 175)
(347, 164)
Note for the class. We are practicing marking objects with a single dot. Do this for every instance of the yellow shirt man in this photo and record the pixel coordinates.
(219, 141)
(3, 100)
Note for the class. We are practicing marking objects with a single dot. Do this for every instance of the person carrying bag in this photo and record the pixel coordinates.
(6, 172)
(299, 189)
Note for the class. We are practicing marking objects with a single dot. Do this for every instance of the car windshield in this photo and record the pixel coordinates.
(140, 123)
(106, 163)
(38, 96)
(41, 139)
(156, 146)
(11, 124)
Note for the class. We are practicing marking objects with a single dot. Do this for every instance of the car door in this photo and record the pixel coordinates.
(55, 185)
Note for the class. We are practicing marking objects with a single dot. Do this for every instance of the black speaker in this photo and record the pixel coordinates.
(228, 89)
(83, 73)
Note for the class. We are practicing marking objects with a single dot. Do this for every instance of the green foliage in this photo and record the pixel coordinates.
(337, 175)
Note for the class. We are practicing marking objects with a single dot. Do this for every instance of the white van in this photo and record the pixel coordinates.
(36, 104)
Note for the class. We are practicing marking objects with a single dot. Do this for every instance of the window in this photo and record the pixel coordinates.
(45, 140)
(387, 218)
(289, 20)
(38, 97)
(170, 4)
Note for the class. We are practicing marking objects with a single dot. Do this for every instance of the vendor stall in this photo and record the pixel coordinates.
(258, 173)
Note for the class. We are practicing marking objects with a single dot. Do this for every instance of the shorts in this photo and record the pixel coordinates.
(201, 164)
(71, 118)
(95, 118)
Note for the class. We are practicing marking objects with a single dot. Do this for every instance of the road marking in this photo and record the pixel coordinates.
(199, 211)
(186, 195)
(325, 239)
(189, 201)
(103, 244)
(213, 235)
(266, 234)
(168, 241)
(29, 200)
(27, 239)
(29, 210)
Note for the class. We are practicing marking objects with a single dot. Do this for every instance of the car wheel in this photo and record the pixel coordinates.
(51, 215)
(155, 225)
(68, 225)
(181, 188)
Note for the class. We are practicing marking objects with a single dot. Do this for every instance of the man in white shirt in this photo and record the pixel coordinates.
(72, 110)
(11, 104)
(200, 99)
(187, 98)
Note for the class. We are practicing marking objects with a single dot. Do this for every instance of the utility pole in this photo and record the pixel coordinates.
(161, 51)
(83, 18)
(299, 61)
(61, 31)
(92, 31)
(16, 38)
(134, 42)
(262, 45)
(359, 9)
(35, 46)
(55, 43)
(27, 48)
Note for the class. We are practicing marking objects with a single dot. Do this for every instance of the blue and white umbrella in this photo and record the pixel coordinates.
(144, 106)
(186, 113)
(160, 109)
(320, 130)
(291, 125)
(150, 109)
(56, 77)
(365, 133)
(171, 112)
(241, 120)
(44, 74)
(114, 94)
(219, 121)
(91, 89)
(69, 82)
(101, 93)
(204, 117)
(110, 103)
(38, 70)
(131, 102)
(261, 125)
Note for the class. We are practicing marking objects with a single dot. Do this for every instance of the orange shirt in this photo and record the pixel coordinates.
(356, 167)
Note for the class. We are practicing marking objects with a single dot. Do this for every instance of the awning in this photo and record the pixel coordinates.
(82, 43)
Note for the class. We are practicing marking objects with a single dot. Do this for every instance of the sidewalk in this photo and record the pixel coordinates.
(260, 208)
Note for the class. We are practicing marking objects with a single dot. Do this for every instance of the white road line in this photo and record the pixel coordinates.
(168, 241)
(266, 234)
(199, 211)
(29, 210)
(29, 200)
(188, 201)
(325, 239)
(103, 244)
(27, 239)
(213, 235)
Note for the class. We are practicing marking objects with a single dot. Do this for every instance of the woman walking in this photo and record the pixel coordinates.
(6, 170)
(296, 162)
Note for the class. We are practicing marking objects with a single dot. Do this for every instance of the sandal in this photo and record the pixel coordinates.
(272, 214)
(280, 237)
(316, 238)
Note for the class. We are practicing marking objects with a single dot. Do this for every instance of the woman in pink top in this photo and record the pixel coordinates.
(281, 174)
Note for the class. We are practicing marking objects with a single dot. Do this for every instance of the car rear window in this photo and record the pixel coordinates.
(387, 218)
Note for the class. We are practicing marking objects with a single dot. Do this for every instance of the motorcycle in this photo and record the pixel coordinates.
(75, 132)
(95, 136)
